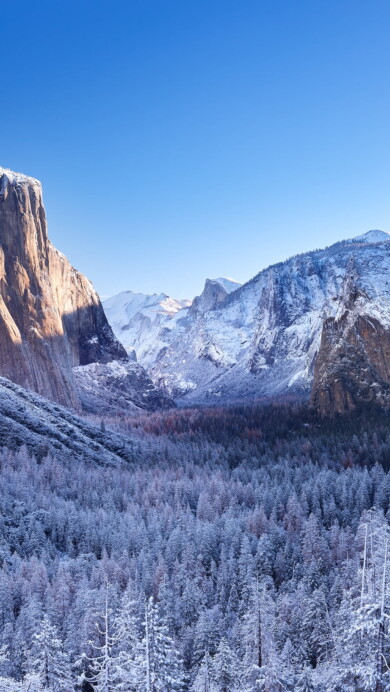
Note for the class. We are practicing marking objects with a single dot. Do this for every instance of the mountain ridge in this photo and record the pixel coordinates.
(265, 338)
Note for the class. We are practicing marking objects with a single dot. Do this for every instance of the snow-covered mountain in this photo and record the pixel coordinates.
(137, 319)
(146, 324)
(374, 236)
(266, 338)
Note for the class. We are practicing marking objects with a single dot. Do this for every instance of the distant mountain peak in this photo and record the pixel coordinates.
(138, 318)
(228, 284)
(374, 236)
(214, 292)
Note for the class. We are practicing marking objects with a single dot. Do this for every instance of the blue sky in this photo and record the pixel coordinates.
(182, 139)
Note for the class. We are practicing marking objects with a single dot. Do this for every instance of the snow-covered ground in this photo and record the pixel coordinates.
(42, 426)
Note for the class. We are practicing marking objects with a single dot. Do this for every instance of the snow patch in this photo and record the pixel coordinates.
(18, 178)
(374, 236)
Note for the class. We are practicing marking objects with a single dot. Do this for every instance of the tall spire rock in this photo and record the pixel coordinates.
(51, 318)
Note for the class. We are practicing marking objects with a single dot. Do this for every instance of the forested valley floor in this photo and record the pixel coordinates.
(243, 550)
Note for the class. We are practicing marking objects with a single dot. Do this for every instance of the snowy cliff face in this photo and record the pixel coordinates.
(282, 332)
(51, 318)
(147, 324)
(139, 321)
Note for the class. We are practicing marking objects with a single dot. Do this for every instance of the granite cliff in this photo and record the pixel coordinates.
(51, 318)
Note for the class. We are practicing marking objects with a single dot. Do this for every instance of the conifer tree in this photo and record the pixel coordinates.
(48, 661)
(127, 630)
(225, 668)
(104, 665)
(203, 681)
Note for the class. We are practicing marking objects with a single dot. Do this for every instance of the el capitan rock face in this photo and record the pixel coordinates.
(51, 318)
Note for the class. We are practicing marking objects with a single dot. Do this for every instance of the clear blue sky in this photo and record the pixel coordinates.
(182, 139)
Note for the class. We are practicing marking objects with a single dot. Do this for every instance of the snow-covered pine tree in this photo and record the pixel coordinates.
(104, 665)
(48, 662)
(226, 669)
(262, 666)
(252, 638)
(203, 681)
(316, 627)
(361, 638)
(169, 670)
(304, 681)
(158, 657)
(127, 628)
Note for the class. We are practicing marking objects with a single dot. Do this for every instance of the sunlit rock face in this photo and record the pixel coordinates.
(51, 318)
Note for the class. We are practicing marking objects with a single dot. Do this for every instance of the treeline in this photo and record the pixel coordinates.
(361, 438)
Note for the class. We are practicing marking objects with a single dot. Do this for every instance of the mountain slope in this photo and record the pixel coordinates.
(146, 324)
(137, 319)
(280, 333)
(31, 420)
(117, 387)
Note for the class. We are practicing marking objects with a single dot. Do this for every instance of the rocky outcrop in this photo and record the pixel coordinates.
(353, 364)
(126, 387)
(214, 293)
(51, 318)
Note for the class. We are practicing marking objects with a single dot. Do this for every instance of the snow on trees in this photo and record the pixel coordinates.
(218, 561)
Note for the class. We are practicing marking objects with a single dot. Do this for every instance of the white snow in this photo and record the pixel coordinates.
(374, 236)
(229, 285)
(141, 321)
(18, 178)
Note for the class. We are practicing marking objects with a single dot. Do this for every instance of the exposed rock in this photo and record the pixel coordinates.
(353, 364)
(214, 292)
(51, 318)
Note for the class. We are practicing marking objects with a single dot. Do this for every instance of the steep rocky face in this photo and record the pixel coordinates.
(214, 292)
(51, 318)
(353, 362)
(149, 324)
